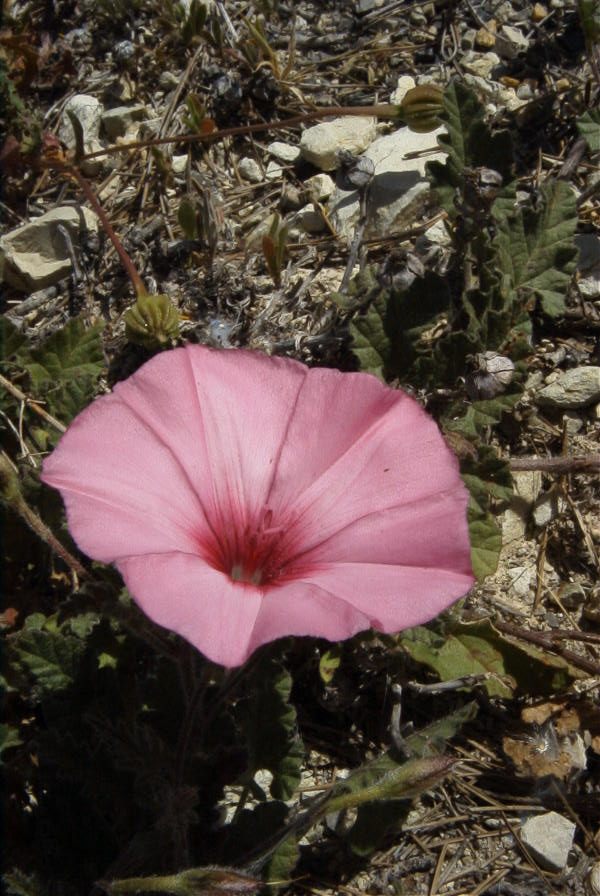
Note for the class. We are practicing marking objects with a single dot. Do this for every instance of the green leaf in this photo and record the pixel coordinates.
(374, 823)
(256, 831)
(477, 648)
(487, 476)
(270, 727)
(329, 663)
(11, 340)
(589, 14)
(18, 883)
(370, 341)
(52, 658)
(469, 143)
(434, 737)
(9, 737)
(64, 370)
(70, 352)
(391, 335)
(589, 128)
(486, 541)
(82, 624)
(464, 650)
(535, 247)
(382, 780)
(279, 869)
(484, 414)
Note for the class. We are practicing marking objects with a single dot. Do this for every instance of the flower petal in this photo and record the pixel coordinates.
(401, 460)
(332, 413)
(245, 400)
(124, 491)
(306, 608)
(392, 598)
(184, 594)
(223, 415)
(432, 532)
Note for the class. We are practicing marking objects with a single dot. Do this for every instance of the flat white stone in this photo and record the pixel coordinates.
(179, 163)
(274, 170)
(510, 41)
(549, 837)
(284, 151)
(547, 507)
(310, 219)
(321, 143)
(480, 64)
(250, 170)
(117, 121)
(88, 111)
(398, 182)
(576, 388)
(521, 579)
(35, 255)
(319, 187)
(527, 485)
(405, 83)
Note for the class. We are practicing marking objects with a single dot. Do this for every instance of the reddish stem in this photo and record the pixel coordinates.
(383, 110)
(557, 465)
(126, 261)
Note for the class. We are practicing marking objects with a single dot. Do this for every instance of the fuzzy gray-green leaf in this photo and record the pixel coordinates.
(589, 128)
(535, 247)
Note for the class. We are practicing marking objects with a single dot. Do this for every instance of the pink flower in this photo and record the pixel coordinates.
(244, 498)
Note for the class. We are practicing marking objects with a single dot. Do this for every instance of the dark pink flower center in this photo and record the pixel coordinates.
(256, 553)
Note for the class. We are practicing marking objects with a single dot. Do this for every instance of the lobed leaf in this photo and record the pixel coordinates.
(470, 144)
(51, 657)
(271, 733)
(589, 128)
(477, 648)
(535, 248)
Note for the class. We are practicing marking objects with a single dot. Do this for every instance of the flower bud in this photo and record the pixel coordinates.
(152, 322)
(421, 108)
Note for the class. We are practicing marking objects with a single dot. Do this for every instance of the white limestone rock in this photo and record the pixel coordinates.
(527, 486)
(576, 388)
(405, 83)
(285, 152)
(35, 255)
(88, 111)
(549, 837)
(179, 163)
(480, 64)
(117, 122)
(250, 170)
(510, 41)
(398, 183)
(321, 143)
(319, 187)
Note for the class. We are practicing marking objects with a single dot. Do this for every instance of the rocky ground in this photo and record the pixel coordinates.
(256, 239)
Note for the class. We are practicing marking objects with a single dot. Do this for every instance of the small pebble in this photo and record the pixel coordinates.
(486, 37)
(250, 170)
(123, 52)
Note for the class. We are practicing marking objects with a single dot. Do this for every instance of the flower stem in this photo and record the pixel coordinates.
(556, 465)
(382, 110)
(20, 396)
(11, 492)
(86, 189)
